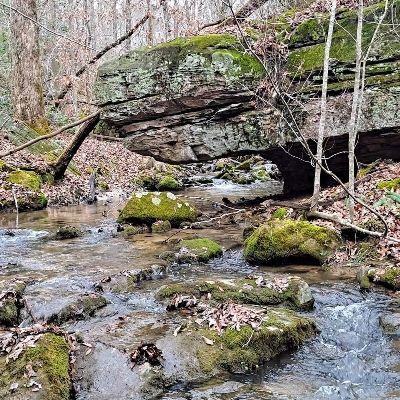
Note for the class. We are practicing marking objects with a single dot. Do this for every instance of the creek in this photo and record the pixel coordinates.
(351, 357)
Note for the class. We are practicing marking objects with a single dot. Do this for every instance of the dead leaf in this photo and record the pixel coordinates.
(208, 341)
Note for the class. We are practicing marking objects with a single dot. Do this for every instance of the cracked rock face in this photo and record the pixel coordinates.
(186, 100)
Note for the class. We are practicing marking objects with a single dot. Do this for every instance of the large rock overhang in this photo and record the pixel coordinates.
(194, 99)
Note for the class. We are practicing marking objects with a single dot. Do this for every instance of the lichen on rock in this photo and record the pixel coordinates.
(280, 241)
(290, 292)
(149, 207)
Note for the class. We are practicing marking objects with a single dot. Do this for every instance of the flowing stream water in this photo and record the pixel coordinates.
(351, 357)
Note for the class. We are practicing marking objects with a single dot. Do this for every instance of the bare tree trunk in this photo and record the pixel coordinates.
(115, 19)
(223, 10)
(322, 119)
(355, 109)
(249, 7)
(128, 22)
(150, 33)
(27, 74)
(61, 165)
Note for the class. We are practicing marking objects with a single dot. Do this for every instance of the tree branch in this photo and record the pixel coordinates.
(50, 135)
(336, 219)
(244, 12)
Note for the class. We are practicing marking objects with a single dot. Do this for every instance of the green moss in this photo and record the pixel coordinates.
(280, 213)
(27, 179)
(151, 207)
(200, 42)
(290, 240)
(130, 230)
(161, 227)
(50, 360)
(224, 49)
(246, 349)
(308, 40)
(8, 312)
(363, 172)
(168, 183)
(389, 277)
(245, 63)
(2, 165)
(204, 249)
(393, 184)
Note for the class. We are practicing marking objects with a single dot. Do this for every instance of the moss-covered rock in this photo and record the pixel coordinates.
(288, 291)
(242, 350)
(389, 277)
(68, 232)
(161, 226)
(159, 181)
(83, 308)
(146, 274)
(49, 358)
(280, 241)
(280, 213)
(167, 183)
(201, 249)
(27, 179)
(149, 207)
(307, 44)
(25, 186)
(393, 184)
(11, 303)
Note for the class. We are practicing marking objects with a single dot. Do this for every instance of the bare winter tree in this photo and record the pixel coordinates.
(322, 120)
(27, 77)
(355, 109)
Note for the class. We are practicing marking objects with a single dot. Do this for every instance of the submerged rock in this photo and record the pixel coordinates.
(263, 290)
(40, 371)
(83, 308)
(149, 207)
(67, 232)
(279, 241)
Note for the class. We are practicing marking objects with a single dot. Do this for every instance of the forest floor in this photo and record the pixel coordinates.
(115, 167)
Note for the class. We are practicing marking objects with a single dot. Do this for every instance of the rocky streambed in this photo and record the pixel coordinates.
(102, 316)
